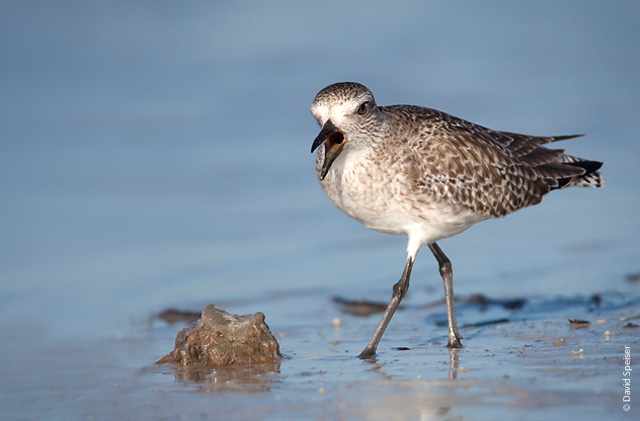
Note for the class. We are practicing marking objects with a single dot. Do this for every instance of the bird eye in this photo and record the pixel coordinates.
(363, 108)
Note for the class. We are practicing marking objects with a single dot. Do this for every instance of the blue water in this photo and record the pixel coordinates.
(156, 154)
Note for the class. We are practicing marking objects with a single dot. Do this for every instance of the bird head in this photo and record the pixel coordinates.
(346, 111)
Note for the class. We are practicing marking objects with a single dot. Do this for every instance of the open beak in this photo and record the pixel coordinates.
(333, 142)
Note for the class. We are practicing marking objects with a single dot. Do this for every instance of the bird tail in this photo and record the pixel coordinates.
(589, 177)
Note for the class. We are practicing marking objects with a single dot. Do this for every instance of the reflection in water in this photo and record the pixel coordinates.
(245, 379)
(454, 363)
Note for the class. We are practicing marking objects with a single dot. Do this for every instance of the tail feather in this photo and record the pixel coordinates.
(551, 165)
(590, 177)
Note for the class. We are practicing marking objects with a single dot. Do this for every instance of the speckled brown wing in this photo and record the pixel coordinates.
(488, 172)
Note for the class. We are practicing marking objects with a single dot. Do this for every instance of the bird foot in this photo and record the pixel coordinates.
(368, 354)
(454, 341)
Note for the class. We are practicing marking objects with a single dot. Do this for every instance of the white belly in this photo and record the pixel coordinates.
(382, 200)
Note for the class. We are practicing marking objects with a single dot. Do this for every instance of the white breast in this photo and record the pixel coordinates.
(379, 197)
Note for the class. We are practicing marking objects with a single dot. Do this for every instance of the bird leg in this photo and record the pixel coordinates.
(447, 276)
(399, 291)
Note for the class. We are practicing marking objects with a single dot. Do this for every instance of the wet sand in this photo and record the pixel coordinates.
(536, 365)
(524, 357)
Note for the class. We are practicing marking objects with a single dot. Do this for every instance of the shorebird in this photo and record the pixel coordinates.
(411, 170)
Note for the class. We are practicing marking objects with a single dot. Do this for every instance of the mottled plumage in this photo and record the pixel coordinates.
(412, 170)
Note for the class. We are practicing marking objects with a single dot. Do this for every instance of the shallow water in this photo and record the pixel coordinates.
(156, 155)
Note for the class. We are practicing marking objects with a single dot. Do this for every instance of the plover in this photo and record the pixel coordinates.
(405, 169)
